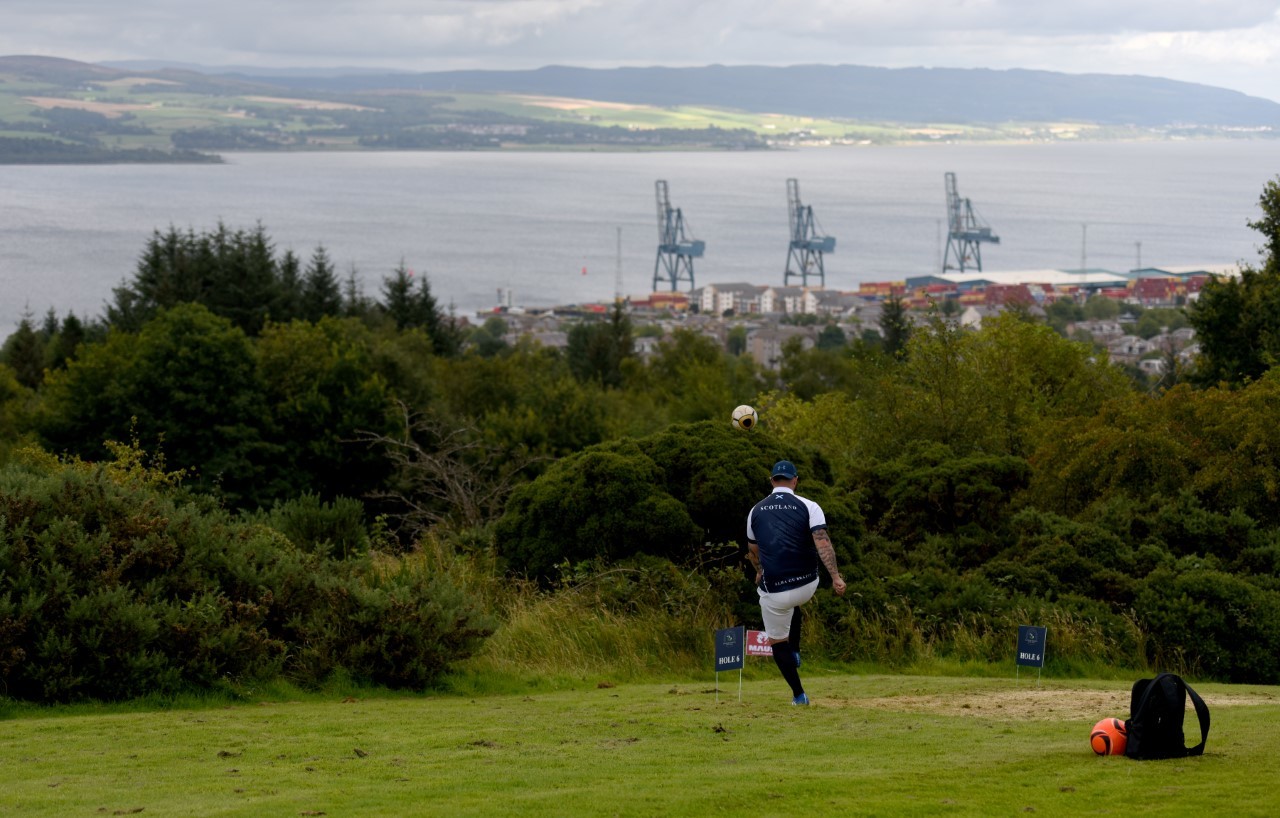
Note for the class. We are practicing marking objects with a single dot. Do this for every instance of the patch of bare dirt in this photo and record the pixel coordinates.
(1039, 704)
(129, 82)
(311, 104)
(111, 110)
(571, 104)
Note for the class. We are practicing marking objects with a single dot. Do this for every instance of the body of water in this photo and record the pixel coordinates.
(531, 222)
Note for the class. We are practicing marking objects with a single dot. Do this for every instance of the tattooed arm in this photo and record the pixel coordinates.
(827, 553)
(753, 555)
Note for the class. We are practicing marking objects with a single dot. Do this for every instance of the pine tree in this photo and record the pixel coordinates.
(321, 294)
(408, 302)
(596, 351)
(23, 351)
(446, 335)
(243, 283)
(400, 303)
(50, 327)
(62, 347)
(894, 327)
(288, 301)
(168, 273)
(354, 302)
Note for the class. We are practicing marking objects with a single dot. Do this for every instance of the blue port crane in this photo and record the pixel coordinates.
(807, 247)
(676, 251)
(966, 232)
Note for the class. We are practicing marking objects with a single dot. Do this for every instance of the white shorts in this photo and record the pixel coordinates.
(776, 608)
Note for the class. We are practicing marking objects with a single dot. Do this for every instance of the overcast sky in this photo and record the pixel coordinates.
(1228, 43)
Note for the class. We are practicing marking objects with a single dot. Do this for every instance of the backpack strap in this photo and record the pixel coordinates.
(1202, 715)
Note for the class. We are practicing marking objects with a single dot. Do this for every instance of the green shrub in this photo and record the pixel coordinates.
(929, 488)
(1218, 624)
(115, 585)
(665, 495)
(1261, 561)
(335, 528)
(601, 504)
(393, 626)
(1186, 527)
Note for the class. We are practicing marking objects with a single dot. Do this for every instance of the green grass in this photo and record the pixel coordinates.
(870, 745)
(695, 117)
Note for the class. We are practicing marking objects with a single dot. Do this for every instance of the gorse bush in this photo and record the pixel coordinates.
(399, 628)
(663, 495)
(335, 528)
(1223, 625)
(114, 584)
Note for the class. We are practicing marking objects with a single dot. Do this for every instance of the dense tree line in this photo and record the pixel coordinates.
(970, 476)
(534, 133)
(81, 125)
(17, 150)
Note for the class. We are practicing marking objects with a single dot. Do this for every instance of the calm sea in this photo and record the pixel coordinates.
(532, 222)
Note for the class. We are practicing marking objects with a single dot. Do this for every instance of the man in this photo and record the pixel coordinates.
(786, 538)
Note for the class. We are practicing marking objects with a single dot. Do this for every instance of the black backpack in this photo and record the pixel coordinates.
(1156, 709)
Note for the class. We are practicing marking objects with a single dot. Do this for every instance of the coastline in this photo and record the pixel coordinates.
(151, 156)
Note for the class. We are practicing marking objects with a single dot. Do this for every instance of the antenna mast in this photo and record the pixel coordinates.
(617, 280)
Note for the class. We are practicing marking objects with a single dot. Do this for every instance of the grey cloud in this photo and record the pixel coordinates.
(871, 20)
(1137, 15)
(1067, 35)
(625, 29)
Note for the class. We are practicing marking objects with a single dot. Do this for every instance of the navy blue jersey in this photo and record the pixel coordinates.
(782, 526)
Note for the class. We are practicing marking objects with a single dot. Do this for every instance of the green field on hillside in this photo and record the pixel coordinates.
(217, 114)
(869, 745)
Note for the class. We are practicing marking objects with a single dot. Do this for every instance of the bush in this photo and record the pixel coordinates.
(113, 584)
(396, 627)
(929, 488)
(664, 495)
(1218, 624)
(601, 504)
(332, 528)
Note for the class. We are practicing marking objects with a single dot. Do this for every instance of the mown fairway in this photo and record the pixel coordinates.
(883, 745)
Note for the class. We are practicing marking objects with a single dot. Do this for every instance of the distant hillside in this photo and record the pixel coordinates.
(257, 71)
(58, 72)
(55, 69)
(56, 110)
(911, 95)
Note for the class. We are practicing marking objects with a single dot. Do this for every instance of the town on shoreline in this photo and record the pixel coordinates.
(773, 316)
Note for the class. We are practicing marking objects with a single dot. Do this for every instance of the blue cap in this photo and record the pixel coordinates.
(784, 468)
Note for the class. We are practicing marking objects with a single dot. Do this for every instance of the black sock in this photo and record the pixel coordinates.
(784, 657)
(794, 638)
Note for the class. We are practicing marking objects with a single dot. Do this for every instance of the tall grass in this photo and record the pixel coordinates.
(625, 623)
(1078, 645)
(639, 621)
(650, 619)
